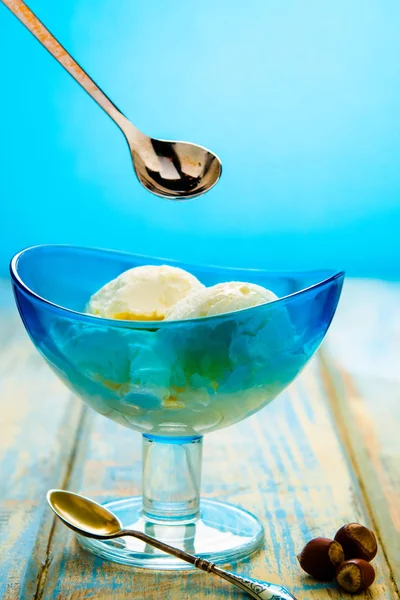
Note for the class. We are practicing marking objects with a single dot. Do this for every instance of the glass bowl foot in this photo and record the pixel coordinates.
(224, 533)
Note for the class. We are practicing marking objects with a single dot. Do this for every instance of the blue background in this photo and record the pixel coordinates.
(300, 99)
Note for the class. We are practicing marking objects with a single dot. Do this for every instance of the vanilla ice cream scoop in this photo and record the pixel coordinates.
(218, 299)
(143, 293)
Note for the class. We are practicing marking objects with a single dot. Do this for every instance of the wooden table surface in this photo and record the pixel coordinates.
(325, 453)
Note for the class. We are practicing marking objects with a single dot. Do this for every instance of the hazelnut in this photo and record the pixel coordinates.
(320, 557)
(355, 575)
(357, 541)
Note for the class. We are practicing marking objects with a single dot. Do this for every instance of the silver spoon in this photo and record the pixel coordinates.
(174, 170)
(90, 519)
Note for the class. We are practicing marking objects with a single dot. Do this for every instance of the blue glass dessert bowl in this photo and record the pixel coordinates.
(173, 381)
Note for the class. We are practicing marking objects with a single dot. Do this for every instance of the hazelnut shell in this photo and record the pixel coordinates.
(357, 541)
(355, 575)
(320, 557)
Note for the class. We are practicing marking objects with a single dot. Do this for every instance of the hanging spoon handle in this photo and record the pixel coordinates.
(43, 35)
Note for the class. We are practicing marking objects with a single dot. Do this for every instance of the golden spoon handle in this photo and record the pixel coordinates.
(36, 27)
(257, 589)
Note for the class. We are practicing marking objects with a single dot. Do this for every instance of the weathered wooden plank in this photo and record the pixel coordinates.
(285, 464)
(39, 424)
(365, 334)
(361, 370)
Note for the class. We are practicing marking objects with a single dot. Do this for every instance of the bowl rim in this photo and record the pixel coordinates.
(131, 324)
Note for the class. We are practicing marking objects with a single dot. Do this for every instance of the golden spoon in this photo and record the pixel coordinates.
(90, 519)
(174, 170)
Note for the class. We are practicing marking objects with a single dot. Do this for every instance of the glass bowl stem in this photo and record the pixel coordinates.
(171, 478)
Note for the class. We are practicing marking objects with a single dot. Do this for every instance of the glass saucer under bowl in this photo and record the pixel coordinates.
(172, 381)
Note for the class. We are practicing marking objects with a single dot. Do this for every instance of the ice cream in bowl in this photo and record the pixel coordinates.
(174, 352)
